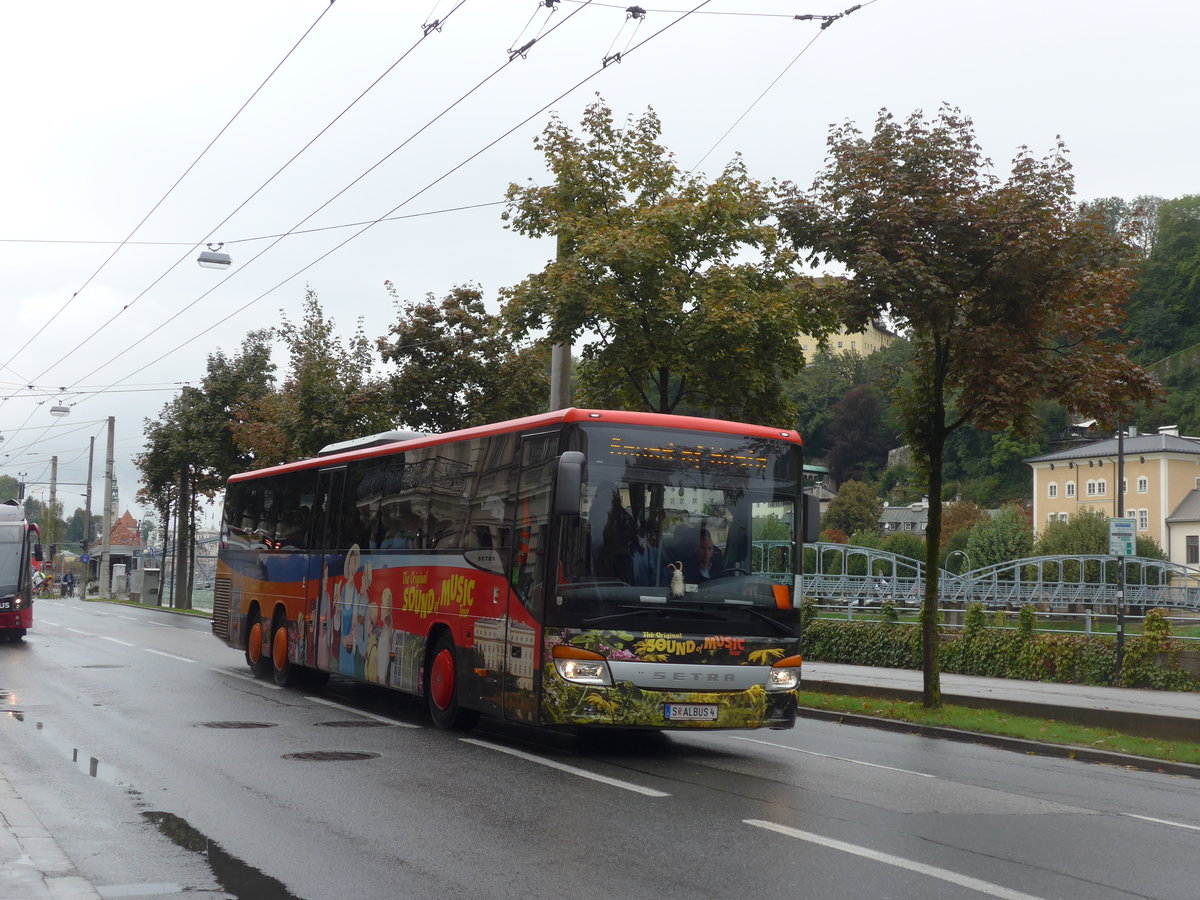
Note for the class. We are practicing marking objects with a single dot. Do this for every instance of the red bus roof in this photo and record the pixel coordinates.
(571, 414)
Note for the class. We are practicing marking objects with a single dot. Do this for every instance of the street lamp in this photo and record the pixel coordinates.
(966, 558)
(213, 258)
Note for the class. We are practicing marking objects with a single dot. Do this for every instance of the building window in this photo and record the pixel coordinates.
(1101, 487)
(1062, 517)
(1052, 490)
(1193, 549)
(1070, 489)
(1143, 517)
(1091, 487)
(1124, 485)
(1143, 485)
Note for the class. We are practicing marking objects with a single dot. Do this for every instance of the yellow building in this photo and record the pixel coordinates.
(1161, 486)
(864, 343)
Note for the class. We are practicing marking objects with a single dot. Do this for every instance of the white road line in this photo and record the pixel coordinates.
(974, 884)
(1163, 822)
(359, 712)
(117, 641)
(168, 655)
(77, 631)
(857, 762)
(245, 676)
(571, 770)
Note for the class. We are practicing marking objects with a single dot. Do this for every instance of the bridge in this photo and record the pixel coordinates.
(840, 573)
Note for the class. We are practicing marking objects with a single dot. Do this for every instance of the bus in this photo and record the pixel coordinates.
(18, 546)
(577, 568)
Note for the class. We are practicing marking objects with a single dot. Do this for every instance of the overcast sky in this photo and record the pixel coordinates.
(107, 105)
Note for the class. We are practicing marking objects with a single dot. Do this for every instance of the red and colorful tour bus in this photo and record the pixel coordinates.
(18, 549)
(577, 568)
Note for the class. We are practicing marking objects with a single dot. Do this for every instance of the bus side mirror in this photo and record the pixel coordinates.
(568, 499)
(812, 518)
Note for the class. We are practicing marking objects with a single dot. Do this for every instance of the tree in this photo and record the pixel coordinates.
(456, 367)
(858, 444)
(1007, 293)
(854, 509)
(688, 296)
(328, 395)
(1001, 538)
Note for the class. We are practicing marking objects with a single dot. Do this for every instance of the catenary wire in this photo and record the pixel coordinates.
(425, 33)
(170, 190)
(427, 187)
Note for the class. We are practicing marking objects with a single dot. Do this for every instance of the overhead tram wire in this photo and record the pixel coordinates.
(426, 31)
(826, 21)
(412, 197)
(170, 190)
(513, 56)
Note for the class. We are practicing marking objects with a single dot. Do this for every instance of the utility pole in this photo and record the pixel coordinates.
(87, 519)
(560, 359)
(106, 538)
(1121, 558)
(53, 523)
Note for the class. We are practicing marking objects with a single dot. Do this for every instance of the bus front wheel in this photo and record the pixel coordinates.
(441, 688)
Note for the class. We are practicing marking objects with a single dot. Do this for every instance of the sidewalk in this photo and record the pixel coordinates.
(1164, 715)
(32, 865)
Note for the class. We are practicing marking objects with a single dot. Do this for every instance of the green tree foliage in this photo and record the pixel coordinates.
(854, 509)
(688, 296)
(1165, 308)
(1008, 295)
(1085, 531)
(906, 543)
(328, 394)
(1000, 538)
(455, 366)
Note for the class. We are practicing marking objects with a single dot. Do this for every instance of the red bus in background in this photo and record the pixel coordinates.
(18, 548)
(577, 568)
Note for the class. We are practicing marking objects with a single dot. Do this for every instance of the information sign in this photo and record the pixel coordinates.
(1122, 537)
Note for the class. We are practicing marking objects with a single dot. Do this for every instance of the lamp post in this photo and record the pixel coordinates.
(213, 258)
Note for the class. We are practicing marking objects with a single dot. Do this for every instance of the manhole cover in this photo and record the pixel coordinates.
(237, 724)
(103, 666)
(353, 723)
(330, 755)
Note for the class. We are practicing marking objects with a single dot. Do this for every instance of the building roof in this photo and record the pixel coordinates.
(1188, 509)
(125, 532)
(1139, 445)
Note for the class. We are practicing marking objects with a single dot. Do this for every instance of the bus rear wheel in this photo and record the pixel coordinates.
(281, 667)
(441, 688)
(258, 662)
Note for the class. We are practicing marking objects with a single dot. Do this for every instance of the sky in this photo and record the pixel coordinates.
(138, 131)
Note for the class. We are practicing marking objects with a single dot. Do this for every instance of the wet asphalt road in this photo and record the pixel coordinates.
(164, 770)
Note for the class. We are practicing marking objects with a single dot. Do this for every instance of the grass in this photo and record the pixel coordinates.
(990, 721)
(186, 612)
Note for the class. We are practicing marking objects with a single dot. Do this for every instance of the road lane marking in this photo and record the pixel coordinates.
(974, 884)
(104, 637)
(857, 762)
(570, 770)
(168, 655)
(1163, 821)
(246, 676)
(77, 631)
(359, 712)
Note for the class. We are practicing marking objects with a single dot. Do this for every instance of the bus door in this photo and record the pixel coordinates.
(528, 572)
(326, 563)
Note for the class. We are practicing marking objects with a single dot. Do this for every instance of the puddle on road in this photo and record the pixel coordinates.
(241, 881)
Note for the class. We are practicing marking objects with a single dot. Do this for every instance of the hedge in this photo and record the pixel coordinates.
(1151, 660)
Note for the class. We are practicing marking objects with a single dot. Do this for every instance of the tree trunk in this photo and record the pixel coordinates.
(183, 542)
(931, 695)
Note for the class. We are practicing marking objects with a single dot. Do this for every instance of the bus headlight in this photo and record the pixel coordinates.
(581, 666)
(785, 674)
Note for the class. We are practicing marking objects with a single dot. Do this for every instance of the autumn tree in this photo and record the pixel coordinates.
(687, 295)
(455, 365)
(1008, 293)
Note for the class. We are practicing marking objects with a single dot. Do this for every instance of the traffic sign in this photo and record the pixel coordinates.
(1122, 537)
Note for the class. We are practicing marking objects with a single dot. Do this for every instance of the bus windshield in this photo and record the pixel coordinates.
(12, 557)
(685, 521)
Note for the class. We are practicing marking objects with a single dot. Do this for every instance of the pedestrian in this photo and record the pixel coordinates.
(68, 584)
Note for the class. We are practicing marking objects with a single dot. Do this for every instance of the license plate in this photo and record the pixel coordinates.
(692, 712)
